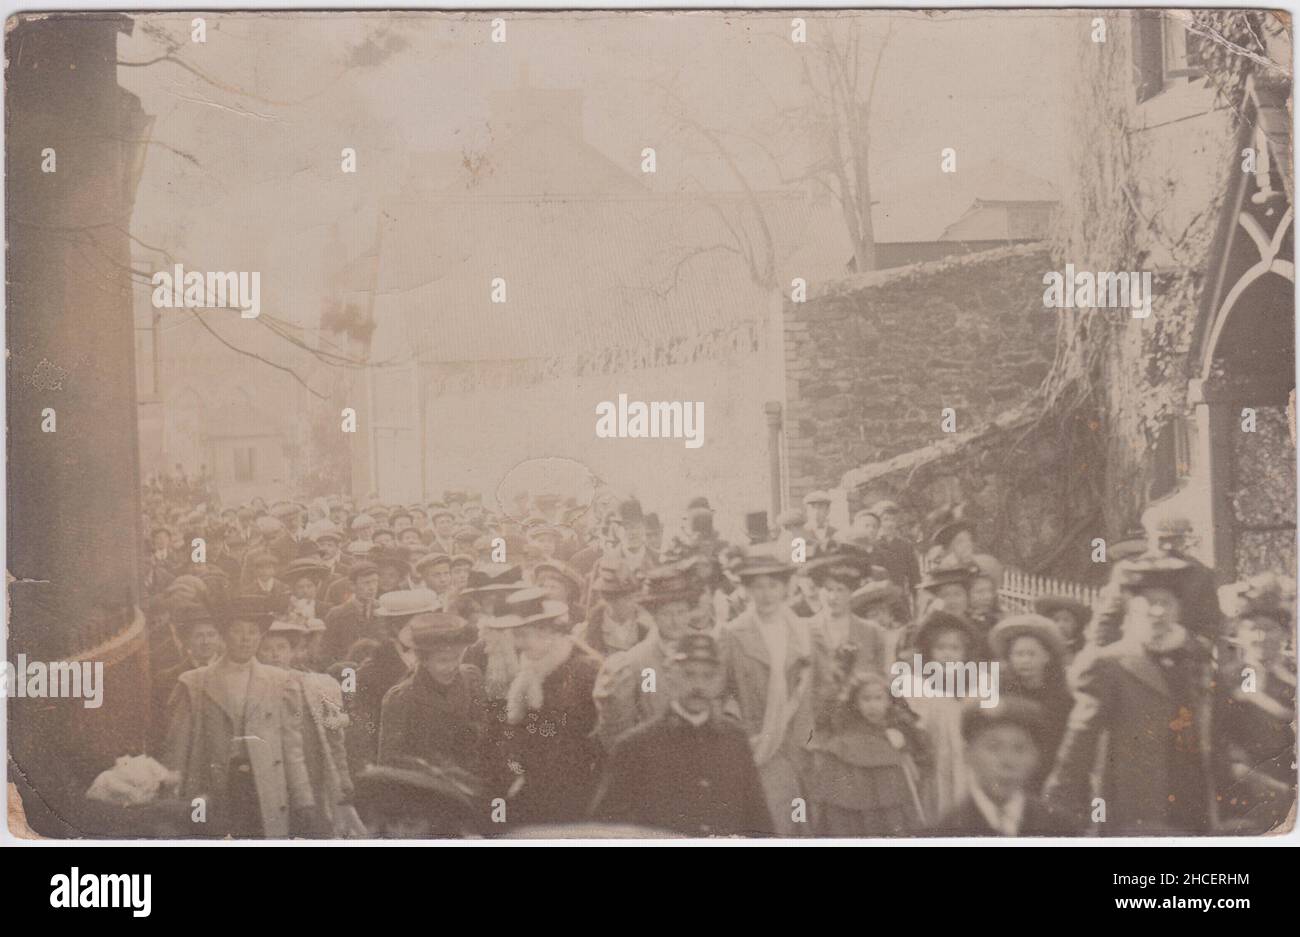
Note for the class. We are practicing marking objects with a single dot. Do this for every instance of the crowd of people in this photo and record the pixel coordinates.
(336, 668)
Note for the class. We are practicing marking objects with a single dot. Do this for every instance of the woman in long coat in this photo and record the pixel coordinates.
(551, 755)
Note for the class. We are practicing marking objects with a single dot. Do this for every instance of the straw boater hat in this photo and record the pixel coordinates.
(760, 561)
(1044, 630)
(295, 630)
(405, 602)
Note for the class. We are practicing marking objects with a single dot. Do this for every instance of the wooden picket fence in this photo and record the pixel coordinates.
(1019, 590)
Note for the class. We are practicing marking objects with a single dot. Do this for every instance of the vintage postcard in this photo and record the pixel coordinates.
(550, 424)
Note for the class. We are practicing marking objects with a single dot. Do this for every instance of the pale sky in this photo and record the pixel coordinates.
(269, 188)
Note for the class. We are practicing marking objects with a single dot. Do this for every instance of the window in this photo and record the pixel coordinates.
(245, 463)
(1165, 53)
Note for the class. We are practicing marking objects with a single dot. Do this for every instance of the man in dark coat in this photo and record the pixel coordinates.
(893, 552)
(392, 663)
(690, 771)
(354, 619)
(1152, 693)
(438, 713)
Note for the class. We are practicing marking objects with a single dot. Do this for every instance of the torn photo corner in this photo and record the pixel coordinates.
(548, 424)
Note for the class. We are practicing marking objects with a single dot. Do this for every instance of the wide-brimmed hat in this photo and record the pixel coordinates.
(288, 626)
(305, 566)
(948, 532)
(816, 497)
(532, 608)
(493, 577)
(671, 583)
(843, 566)
(186, 615)
(407, 602)
(947, 575)
(259, 609)
(430, 630)
(1046, 631)
(875, 592)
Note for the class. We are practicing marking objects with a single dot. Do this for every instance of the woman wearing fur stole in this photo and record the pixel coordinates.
(548, 745)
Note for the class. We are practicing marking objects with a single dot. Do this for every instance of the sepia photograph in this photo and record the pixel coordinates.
(836, 425)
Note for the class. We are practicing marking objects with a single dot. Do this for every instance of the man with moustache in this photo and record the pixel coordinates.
(690, 770)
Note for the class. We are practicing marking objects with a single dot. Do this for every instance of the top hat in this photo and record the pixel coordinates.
(629, 512)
